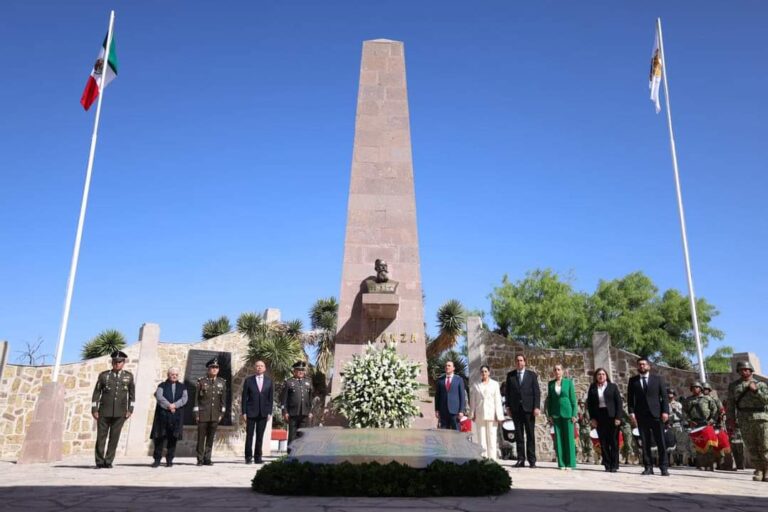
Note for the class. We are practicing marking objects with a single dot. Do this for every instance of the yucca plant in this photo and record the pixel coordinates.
(278, 346)
(451, 319)
(213, 328)
(103, 344)
(248, 322)
(323, 316)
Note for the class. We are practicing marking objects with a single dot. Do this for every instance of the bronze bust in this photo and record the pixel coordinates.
(381, 283)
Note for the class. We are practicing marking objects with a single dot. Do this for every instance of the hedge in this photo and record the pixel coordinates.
(292, 478)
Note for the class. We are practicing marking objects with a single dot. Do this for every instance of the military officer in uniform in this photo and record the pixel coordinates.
(748, 410)
(112, 403)
(296, 400)
(210, 406)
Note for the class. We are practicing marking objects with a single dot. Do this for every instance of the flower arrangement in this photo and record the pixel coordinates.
(379, 389)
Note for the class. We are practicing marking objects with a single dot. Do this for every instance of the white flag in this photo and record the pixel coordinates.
(654, 79)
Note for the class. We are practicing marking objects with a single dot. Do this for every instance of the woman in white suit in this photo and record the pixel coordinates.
(486, 411)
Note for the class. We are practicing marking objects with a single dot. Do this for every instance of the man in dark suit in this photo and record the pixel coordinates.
(649, 409)
(258, 395)
(523, 398)
(450, 399)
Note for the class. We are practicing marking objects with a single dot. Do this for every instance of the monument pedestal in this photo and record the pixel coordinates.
(43, 442)
(381, 305)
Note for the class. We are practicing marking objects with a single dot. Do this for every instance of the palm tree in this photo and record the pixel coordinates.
(103, 344)
(323, 316)
(213, 328)
(247, 323)
(451, 319)
(278, 345)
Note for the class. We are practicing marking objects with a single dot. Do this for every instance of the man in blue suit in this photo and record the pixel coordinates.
(258, 395)
(450, 399)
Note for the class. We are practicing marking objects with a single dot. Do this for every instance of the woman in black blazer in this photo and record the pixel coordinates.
(604, 406)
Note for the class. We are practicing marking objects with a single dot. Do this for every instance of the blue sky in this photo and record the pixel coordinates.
(221, 175)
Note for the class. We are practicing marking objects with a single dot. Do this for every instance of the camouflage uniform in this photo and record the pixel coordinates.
(682, 452)
(701, 410)
(750, 409)
(630, 444)
(585, 442)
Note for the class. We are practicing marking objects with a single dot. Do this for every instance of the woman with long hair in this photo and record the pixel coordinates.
(604, 406)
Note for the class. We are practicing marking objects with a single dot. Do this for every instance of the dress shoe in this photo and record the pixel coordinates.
(664, 472)
(169, 464)
(199, 463)
(520, 464)
(99, 465)
(108, 466)
(207, 463)
(249, 461)
(156, 464)
(259, 460)
(647, 471)
(532, 465)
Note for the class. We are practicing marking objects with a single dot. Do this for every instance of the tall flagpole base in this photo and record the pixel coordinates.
(44, 439)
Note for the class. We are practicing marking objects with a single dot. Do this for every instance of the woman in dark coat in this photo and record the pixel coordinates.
(168, 424)
(604, 405)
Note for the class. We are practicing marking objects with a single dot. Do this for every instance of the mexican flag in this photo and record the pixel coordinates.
(92, 90)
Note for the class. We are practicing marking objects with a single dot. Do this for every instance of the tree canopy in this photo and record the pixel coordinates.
(543, 309)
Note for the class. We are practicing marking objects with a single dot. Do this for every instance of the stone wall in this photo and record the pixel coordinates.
(579, 364)
(20, 387)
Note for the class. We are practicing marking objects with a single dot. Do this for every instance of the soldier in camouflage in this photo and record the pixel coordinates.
(585, 442)
(210, 406)
(112, 403)
(677, 422)
(296, 401)
(748, 409)
(701, 411)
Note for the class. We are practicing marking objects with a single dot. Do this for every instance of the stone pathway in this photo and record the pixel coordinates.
(132, 485)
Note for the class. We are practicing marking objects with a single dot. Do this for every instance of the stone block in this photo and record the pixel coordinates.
(381, 305)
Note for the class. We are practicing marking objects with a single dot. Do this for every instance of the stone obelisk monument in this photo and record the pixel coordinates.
(381, 295)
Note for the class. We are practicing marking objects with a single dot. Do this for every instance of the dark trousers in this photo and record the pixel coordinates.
(525, 438)
(652, 429)
(608, 433)
(449, 421)
(168, 439)
(294, 424)
(206, 431)
(107, 428)
(259, 424)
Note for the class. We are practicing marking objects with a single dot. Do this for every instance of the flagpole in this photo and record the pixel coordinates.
(83, 207)
(681, 213)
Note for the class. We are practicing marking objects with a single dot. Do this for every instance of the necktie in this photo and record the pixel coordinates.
(519, 377)
(645, 383)
(448, 383)
(258, 382)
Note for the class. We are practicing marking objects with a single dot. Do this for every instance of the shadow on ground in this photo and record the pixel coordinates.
(187, 499)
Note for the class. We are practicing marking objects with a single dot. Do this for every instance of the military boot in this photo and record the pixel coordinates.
(759, 476)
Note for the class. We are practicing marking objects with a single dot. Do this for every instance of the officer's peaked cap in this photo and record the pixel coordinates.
(119, 355)
(212, 363)
(299, 365)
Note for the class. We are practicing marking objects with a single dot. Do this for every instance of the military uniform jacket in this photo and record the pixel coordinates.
(296, 397)
(114, 394)
(701, 410)
(751, 406)
(210, 398)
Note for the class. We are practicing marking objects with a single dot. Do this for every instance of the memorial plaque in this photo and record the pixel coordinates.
(196, 360)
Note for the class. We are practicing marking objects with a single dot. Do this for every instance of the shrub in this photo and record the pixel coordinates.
(103, 344)
(293, 478)
(213, 328)
(379, 389)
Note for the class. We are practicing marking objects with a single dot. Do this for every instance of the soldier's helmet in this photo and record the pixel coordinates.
(706, 386)
(744, 365)
(696, 384)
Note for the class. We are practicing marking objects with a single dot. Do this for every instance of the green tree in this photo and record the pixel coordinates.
(103, 344)
(541, 309)
(719, 361)
(217, 327)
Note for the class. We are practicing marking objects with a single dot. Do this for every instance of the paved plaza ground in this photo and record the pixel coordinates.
(74, 484)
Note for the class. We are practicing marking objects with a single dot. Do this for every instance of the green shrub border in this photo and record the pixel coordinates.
(291, 478)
